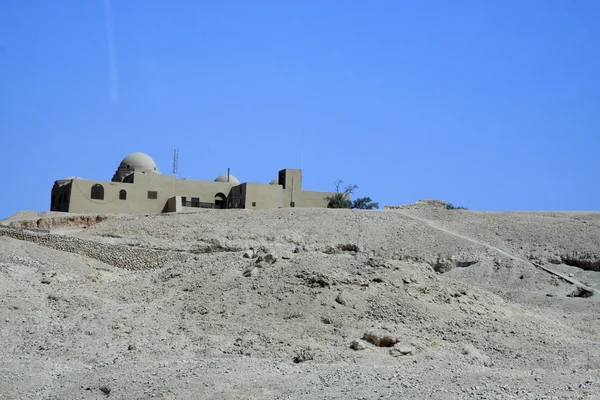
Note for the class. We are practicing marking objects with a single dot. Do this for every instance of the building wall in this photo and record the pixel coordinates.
(205, 191)
(291, 181)
(236, 197)
(137, 200)
(60, 196)
(307, 198)
(263, 196)
(174, 204)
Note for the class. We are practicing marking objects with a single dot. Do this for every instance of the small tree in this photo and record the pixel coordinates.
(364, 203)
(341, 199)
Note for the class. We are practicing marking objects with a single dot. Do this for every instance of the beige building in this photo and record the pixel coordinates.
(138, 187)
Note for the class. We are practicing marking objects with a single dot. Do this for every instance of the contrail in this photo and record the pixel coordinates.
(112, 55)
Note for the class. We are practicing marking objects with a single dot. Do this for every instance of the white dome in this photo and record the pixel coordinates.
(274, 182)
(139, 162)
(223, 178)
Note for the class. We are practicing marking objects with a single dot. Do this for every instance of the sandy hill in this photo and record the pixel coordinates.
(300, 303)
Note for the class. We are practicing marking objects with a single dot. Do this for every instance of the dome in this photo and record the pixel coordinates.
(274, 182)
(139, 162)
(135, 162)
(223, 178)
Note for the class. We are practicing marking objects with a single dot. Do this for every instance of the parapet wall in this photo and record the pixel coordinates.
(421, 204)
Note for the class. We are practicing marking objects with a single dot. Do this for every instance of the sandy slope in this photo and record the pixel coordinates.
(243, 294)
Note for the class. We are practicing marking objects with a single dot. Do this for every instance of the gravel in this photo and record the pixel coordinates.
(274, 304)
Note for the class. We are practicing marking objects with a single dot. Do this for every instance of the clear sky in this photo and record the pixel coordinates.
(492, 105)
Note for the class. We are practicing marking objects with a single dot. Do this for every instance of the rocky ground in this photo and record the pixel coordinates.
(300, 303)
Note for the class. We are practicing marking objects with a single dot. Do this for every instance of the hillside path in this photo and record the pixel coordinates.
(436, 225)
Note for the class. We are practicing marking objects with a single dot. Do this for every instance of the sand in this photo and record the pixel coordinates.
(242, 304)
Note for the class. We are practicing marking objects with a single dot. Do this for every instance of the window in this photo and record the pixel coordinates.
(253, 204)
(122, 194)
(97, 192)
(293, 204)
(195, 202)
(153, 195)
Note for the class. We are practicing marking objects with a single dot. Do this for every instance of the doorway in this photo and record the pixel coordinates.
(220, 200)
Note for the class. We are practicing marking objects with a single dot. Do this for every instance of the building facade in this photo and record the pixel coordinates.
(137, 186)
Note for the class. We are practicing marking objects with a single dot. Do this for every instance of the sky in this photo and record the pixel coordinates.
(490, 105)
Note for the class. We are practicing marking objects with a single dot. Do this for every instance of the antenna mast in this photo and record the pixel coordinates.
(175, 161)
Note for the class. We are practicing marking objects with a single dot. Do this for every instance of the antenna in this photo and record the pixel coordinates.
(175, 161)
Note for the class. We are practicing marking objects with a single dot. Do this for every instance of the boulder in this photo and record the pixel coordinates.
(401, 350)
(268, 258)
(357, 345)
(380, 339)
(341, 299)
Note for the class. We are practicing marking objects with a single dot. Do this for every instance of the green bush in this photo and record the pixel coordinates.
(342, 199)
(364, 203)
(450, 206)
(339, 200)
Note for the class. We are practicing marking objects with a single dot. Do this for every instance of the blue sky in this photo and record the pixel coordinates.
(493, 105)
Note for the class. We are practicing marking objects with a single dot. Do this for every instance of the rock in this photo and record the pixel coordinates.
(401, 350)
(357, 345)
(250, 271)
(555, 259)
(268, 258)
(265, 256)
(331, 249)
(248, 254)
(47, 277)
(475, 355)
(340, 299)
(380, 339)
(300, 249)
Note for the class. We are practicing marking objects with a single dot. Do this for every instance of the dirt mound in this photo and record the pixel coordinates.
(52, 220)
(299, 304)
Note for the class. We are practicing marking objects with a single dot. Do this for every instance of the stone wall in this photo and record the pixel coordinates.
(120, 256)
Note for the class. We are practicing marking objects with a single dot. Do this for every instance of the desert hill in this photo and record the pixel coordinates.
(300, 303)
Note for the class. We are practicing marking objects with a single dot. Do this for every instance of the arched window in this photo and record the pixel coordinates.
(97, 192)
(122, 194)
